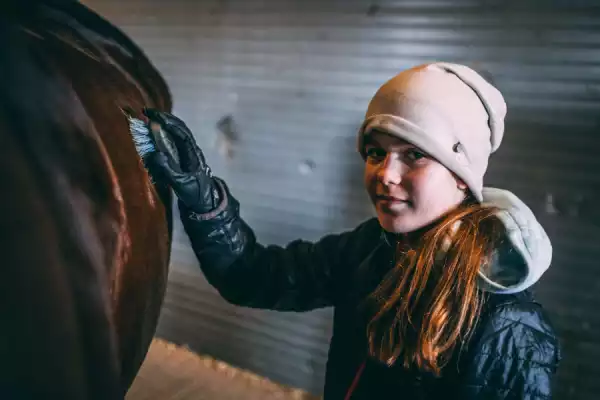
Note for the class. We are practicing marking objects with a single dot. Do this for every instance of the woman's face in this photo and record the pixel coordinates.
(408, 188)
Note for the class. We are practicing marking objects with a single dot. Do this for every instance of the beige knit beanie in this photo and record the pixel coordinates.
(447, 110)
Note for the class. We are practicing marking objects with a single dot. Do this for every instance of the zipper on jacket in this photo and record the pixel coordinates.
(355, 381)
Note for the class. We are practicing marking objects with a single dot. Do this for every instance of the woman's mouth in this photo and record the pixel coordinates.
(392, 202)
(391, 199)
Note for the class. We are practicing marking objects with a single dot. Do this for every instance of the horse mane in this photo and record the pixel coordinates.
(62, 211)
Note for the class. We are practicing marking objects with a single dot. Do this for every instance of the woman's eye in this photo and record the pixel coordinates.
(415, 155)
(375, 153)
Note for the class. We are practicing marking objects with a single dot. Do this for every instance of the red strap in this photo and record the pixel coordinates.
(355, 381)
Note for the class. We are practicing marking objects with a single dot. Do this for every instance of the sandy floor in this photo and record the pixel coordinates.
(174, 373)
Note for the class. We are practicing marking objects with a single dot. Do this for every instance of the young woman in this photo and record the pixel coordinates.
(430, 297)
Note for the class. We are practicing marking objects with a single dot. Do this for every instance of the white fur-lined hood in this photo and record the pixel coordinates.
(522, 259)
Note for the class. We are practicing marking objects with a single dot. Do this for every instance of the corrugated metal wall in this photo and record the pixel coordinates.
(296, 76)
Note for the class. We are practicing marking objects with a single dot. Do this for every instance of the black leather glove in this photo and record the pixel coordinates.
(190, 178)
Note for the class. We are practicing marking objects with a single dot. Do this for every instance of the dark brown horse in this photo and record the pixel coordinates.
(85, 237)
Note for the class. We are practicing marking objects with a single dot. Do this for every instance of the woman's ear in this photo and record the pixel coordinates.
(460, 184)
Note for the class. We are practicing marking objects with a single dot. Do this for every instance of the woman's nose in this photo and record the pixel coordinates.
(391, 170)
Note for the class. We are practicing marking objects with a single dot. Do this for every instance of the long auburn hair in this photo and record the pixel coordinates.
(429, 302)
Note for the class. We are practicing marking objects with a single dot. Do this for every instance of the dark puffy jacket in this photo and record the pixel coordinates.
(513, 353)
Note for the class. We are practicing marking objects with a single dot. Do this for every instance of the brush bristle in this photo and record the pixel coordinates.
(142, 138)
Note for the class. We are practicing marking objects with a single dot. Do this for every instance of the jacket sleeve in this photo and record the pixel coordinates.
(298, 277)
(516, 357)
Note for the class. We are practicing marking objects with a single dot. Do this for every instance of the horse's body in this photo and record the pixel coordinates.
(85, 237)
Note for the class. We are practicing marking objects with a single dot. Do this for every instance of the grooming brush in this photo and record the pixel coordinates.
(149, 137)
